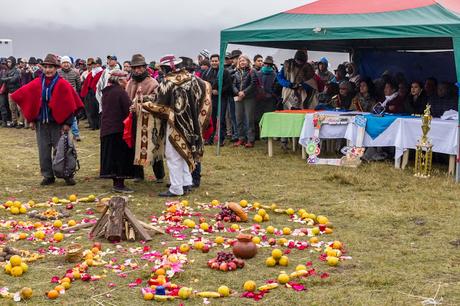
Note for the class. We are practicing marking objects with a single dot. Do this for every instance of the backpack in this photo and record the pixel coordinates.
(260, 93)
(65, 162)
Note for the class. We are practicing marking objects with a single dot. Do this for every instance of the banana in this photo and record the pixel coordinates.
(64, 201)
(163, 298)
(83, 199)
(268, 287)
(299, 273)
(208, 294)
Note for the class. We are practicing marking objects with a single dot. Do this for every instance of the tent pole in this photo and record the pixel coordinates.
(456, 44)
(223, 49)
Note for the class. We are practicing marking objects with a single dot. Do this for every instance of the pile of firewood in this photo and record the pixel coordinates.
(118, 223)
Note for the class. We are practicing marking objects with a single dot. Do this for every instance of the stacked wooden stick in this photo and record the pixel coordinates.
(118, 223)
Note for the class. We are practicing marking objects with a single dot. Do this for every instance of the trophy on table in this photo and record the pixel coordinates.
(424, 148)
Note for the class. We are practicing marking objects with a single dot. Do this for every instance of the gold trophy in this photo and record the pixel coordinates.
(424, 148)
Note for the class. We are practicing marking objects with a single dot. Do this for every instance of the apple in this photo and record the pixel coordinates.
(202, 220)
(231, 266)
(220, 226)
(272, 241)
(69, 206)
(215, 266)
(223, 267)
(2, 237)
(205, 249)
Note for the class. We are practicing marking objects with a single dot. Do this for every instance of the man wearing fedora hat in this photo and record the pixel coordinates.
(142, 87)
(49, 103)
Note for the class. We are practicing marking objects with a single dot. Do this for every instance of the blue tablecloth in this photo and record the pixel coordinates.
(376, 125)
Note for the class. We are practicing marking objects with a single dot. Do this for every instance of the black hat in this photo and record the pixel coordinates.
(33, 61)
(235, 54)
(98, 61)
(112, 57)
(269, 60)
(187, 62)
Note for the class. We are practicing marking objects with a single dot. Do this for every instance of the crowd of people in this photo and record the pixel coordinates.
(113, 91)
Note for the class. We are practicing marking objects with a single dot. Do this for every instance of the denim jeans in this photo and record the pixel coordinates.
(245, 114)
(74, 128)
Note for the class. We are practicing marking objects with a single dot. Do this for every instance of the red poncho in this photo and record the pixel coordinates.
(63, 103)
(90, 82)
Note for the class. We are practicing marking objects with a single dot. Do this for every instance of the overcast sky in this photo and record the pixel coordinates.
(83, 28)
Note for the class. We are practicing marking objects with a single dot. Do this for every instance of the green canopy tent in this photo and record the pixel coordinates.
(347, 26)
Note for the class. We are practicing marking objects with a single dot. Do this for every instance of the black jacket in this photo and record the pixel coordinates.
(243, 81)
(212, 76)
(12, 80)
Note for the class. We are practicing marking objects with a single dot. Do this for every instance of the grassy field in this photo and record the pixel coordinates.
(396, 228)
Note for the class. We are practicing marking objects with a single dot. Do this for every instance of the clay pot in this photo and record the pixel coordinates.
(244, 247)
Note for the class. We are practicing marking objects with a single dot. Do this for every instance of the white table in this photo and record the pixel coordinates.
(403, 134)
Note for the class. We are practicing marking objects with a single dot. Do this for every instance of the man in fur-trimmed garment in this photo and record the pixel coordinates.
(174, 129)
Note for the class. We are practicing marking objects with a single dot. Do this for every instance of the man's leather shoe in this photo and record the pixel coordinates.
(47, 181)
(168, 194)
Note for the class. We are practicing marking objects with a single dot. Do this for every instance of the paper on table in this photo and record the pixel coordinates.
(450, 115)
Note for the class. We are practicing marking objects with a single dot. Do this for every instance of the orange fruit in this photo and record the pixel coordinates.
(148, 296)
(22, 236)
(26, 293)
(53, 294)
(160, 271)
(38, 224)
(250, 286)
(66, 285)
(58, 237)
(95, 250)
(65, 279)
(71, 223)
(24, 267)
(328, 230)
(59, 288)
(15, 260)
(16, 271)
(277, 253)
(283, 278)
(76, 274)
